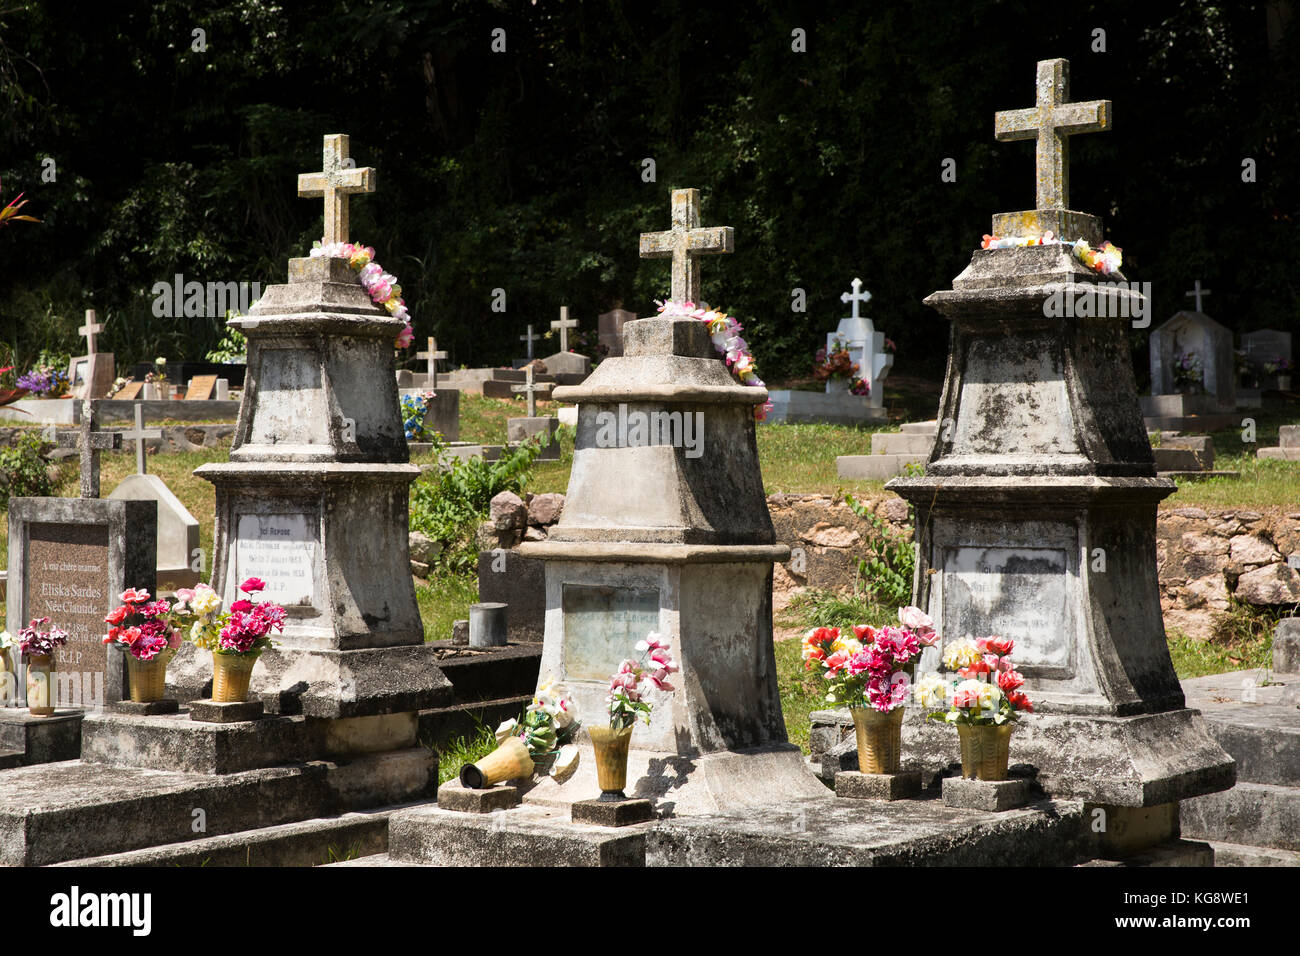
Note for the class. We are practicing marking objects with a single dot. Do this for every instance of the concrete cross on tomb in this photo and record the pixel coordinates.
(563, 326)
(338, 179)
(432, 356)
(685, 242)
(530, 388)
(1196, 293)
(139, 435)
(858, 296)
(1051, 121)
(90, 330)
(531, 337)
(91, 441)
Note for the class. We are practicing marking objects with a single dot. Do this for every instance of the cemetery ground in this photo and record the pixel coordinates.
(797, 459)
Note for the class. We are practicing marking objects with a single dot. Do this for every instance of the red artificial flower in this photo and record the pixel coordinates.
(864, 633)
(1010, 680)
(242, 605)
(1001, 646)
(117, 615)
(1019, 701)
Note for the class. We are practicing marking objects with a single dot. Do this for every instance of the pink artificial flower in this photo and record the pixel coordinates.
(836, 662)
(1000, 645)
(132, 596)
(242, 605)
(1011, 680)
(252, 586)
(919, 623)
(965, 699)
(406, 336)
(156, 608)
(117, 615)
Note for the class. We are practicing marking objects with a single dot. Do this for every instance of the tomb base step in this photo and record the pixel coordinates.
(443, 724)
(524, 836)
(1262, 735)
(40, 739)
(1239, 854)
(1286, 454)
(314, 842)
(1175, 853)
(74, 810)
(375, 859)
(1254, 814)
(844, 832)
(11, 758)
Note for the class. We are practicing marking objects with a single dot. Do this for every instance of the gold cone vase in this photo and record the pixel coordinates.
(147, 680)
(231, 675)
(510, 761)
(611, 748)
(880, 739)
(40, 685)
(985, 750)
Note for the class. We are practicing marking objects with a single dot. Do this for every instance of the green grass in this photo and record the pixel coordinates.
(443, 600)
(456, 753)
(1193, 658)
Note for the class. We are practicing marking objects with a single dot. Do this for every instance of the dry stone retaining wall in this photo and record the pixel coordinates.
(1204, 557)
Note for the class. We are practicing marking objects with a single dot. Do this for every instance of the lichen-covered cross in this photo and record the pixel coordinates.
(530, 388)
(685, 242)
(91, 442)
(1051, 121)
(338, 179)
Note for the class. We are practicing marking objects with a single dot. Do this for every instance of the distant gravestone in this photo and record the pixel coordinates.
(129, 392)
(70, 559)
(610, 331)
(865, 345)
(1265, 347)
(91, 375)
(201, 388)
(178, 530)
(1194, 336)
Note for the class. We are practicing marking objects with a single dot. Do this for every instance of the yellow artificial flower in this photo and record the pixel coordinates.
(959, 654)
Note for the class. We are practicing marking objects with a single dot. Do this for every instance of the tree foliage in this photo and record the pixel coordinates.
(522, 170)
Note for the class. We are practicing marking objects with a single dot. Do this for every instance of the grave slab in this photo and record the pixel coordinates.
(524, 836)
(41, 739)
(453, 796)
(871, 833)
(225, 712)
(612, 813)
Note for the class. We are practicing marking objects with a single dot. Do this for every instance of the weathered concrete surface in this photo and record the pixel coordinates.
(836, 408)
(1286, 646)
(314, 842)
(178, 530)
(1047, 466)
(1258, 814)
(613, 813)
(453, 796)
(861, 833)
(525, 836)
(40, 739)
(850, 784)
(72, 809)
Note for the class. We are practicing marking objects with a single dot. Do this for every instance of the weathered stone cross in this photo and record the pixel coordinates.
(1051, 121)
(91, 441)
(138, 435)
(89, 331)
(531, 388)
(685, 242)
(432, 355)
(338, 179)
(858, 295)
(530, 338)
(564, 324)
(1198, 292)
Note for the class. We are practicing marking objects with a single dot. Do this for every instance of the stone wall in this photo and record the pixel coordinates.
(1204, 557)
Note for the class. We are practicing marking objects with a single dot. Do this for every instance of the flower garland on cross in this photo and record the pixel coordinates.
(381, 286)
(725, 333)
(1106, 258)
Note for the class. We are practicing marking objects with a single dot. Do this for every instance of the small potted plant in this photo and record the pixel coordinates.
(1189, 376)
(984, 702)
(627, 702)
(540, 740)
(38, 647)
(146, 629)
(1281, 367)
(870, 674)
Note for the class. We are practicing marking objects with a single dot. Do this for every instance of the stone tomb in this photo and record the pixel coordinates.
(1037, 522)
(837, 404)
(1265, 346)
(69, 560)
(1287, 447)
(1191, 333)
